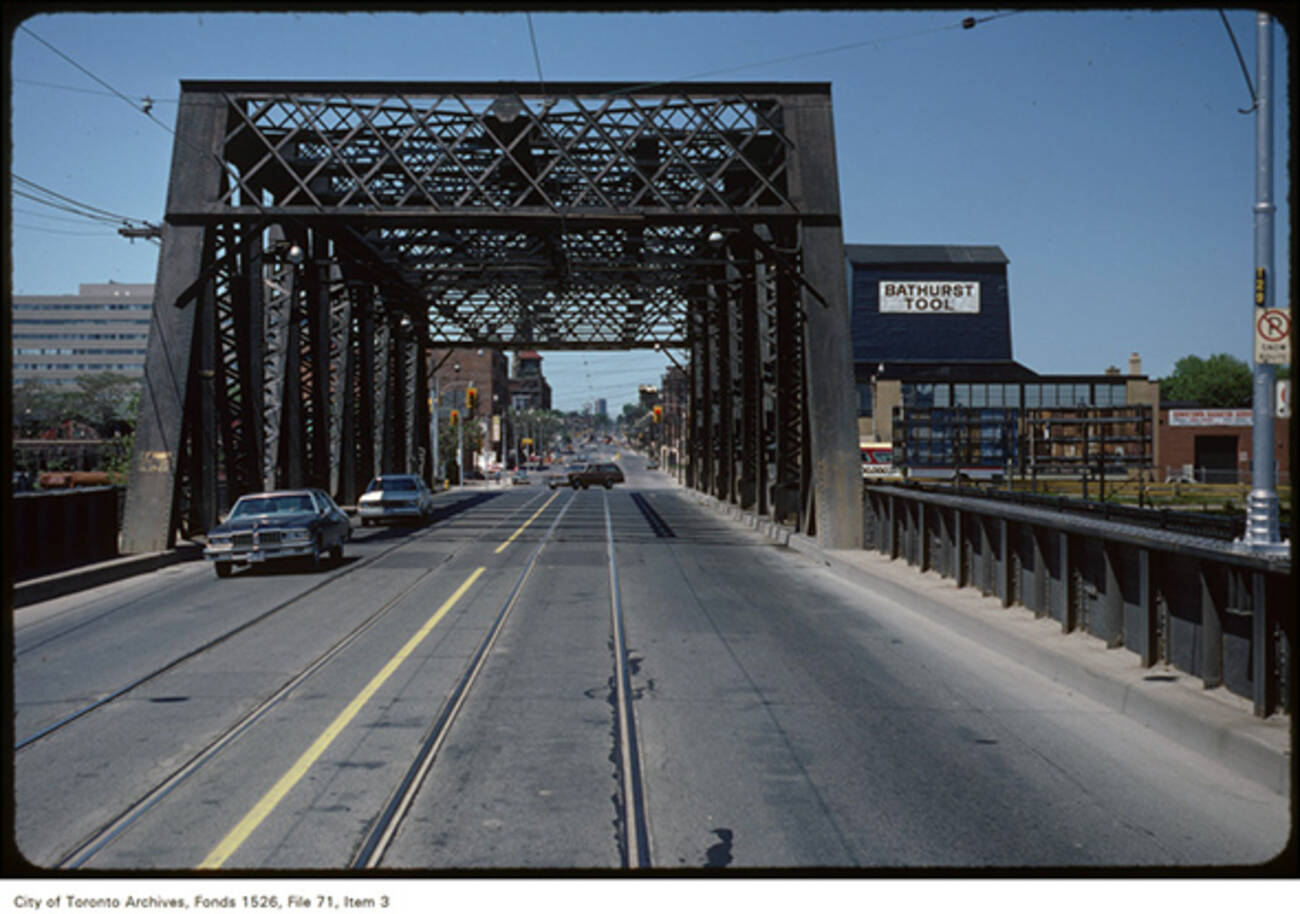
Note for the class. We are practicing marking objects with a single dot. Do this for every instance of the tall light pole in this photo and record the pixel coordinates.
(1263, 534)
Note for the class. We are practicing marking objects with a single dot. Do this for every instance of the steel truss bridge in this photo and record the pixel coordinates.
(320, 237)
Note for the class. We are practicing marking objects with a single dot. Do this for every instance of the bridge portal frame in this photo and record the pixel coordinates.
(319, 236)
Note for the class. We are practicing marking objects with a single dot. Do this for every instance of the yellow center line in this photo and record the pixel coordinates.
(502, 547)
(239, 834)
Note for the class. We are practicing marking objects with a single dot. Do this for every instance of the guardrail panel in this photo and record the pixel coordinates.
(1200, 605)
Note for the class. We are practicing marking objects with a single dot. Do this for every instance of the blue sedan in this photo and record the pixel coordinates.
(294, 523)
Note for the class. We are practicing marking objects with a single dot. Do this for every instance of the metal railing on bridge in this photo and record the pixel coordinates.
(1177, 596)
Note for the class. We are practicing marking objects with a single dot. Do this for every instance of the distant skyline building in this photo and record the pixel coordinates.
(104, 327)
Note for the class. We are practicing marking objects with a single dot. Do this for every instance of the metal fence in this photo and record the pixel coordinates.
(56, 530)
(1188, 600)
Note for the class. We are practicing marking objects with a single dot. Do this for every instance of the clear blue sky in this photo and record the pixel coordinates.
(1102, 151)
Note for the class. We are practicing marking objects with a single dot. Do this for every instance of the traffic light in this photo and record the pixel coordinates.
(659, 414)
(471, 398)
(455, 417)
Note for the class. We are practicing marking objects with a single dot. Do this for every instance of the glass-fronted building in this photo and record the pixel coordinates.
(933, 362)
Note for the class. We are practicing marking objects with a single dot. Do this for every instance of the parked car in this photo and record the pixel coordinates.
(293, 523)
(395, 496)
(596, 474)
(520, 478)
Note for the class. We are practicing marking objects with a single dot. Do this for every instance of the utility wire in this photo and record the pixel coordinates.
(537, 58)
(90, 212)
(968, 23)
(143, 106)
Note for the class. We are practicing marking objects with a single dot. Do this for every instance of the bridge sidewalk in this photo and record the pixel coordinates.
(1212, 722)
(84, 577)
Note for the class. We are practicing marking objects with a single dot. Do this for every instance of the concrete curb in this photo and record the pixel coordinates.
(87, 576)
(1215, 724)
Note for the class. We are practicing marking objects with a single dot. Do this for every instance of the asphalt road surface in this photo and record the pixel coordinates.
(448, 699)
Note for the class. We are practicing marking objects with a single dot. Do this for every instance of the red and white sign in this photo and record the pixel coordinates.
(1208, 417)
(1283, 401)
(1273, 336)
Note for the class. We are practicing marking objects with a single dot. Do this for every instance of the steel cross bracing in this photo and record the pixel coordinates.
(319, 235)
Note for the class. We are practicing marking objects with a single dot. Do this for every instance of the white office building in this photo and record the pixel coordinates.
(104, 327)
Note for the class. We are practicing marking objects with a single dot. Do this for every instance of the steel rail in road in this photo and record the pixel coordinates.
(636, 830)
(103, 835)
(384, 831)
(208, 645)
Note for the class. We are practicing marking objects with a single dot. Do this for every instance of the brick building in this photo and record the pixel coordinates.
(1215, 445)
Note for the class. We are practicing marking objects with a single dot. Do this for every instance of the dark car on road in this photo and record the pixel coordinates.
(266, 526)
(595, 474)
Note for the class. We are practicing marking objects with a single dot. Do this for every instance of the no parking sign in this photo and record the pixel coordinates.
(1273, 336)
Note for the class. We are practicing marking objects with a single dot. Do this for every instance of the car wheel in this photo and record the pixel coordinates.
(336, 554)
(576, 486)
(317, 562)
(224, 568)
(608, 484)
(365, 522)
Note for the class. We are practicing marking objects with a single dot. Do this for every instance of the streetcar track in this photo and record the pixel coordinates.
(384, 831)
(635, 826)
(631, 821)
(214, 642)
(106, 833)
(632, 824)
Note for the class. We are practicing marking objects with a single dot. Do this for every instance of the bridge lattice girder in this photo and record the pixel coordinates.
(320, 237)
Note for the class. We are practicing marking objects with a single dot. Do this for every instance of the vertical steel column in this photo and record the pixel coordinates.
(421, 420)
(281, 281)
(751, 422)
(1006, 567)
(340, 381)
(725, 465)
(1040, 576)
(410, 391)
(787, 491)
(202, 418)
(694, 405)
(365, 430)
(149, 521)
(831, 394)
(705, 433)
(318, 379)
(1063, 589)
(1147, 606)
(395, 426)
(1263, 691)
(292, 454)
(1114, 605)
(1211, 628)
(249, 343)
(382, 429)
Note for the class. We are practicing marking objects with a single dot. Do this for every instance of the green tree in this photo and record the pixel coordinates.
(1222, 381)
(105, 401)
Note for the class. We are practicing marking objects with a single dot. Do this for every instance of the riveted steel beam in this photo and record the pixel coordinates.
(504, 215)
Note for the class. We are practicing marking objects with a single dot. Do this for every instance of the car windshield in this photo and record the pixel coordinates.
(392, 484)
(272, 504)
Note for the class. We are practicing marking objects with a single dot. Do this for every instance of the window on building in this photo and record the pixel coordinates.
(918, 396)
(866, 402)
